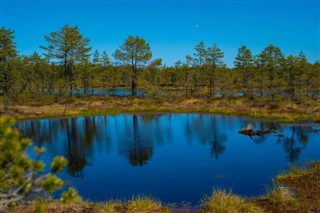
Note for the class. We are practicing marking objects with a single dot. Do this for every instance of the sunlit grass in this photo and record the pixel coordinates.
(286, 110)
(135, 205)
(279, 195)
(108, 207)
(43, 207)
(282, 108)
(222, 201)
(145, 204)
(280, 199)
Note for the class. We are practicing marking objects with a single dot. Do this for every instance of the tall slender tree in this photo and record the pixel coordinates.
(134, 52)
(200, 57)
(188, 74)
(316, 78)
(69, 47)
(291, 71)
(303, 73)
(214, 57)
(272, 59)
(259, 64)
(244, 62)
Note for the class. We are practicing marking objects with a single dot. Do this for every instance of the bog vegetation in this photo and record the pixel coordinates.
(70, 66)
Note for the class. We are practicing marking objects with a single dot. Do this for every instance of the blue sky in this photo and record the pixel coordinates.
(171, 27)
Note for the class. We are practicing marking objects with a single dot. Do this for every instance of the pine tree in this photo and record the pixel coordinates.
(244, 63)
(134, 52)
(272, 59)
(70, 48)
(291, 70)
(199, 57)
(8, 54)
(214, 60)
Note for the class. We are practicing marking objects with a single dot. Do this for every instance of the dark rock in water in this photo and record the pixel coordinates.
(252, 132)
(316, 130)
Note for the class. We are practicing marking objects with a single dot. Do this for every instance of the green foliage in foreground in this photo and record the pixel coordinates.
(21, 176)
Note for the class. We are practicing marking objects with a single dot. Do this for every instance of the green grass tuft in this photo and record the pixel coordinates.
(145, 204)
(279, 195)
(222, 201)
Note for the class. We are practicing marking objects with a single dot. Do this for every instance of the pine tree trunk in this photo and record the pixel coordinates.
(133, 81)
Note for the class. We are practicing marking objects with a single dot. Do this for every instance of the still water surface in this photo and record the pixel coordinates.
(172, 157)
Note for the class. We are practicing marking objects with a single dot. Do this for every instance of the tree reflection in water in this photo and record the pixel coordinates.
(138, 149)
(75, 151)
(218, 140)
(136, 136)
(296, 142)
(293, 143)
(205, 129)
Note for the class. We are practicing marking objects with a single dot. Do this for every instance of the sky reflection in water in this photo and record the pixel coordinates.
(173, 157)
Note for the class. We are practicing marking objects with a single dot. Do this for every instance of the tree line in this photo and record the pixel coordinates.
(69, 64)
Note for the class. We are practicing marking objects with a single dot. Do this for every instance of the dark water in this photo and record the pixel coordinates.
(173, 157)
(141, 92)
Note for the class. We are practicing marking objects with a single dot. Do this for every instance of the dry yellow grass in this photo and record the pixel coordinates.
(222, 201)
(283, 109)
(136, 205)
(297, 191)
(55, 207)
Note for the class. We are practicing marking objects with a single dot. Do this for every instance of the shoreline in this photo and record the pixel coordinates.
(280, 198)
(282, 110)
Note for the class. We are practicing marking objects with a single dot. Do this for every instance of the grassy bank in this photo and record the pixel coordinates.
(296, 191)
(282, 109)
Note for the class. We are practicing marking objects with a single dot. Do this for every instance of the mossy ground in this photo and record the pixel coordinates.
(282, 109)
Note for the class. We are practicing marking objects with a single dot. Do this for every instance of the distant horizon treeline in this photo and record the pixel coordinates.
(69, 64)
